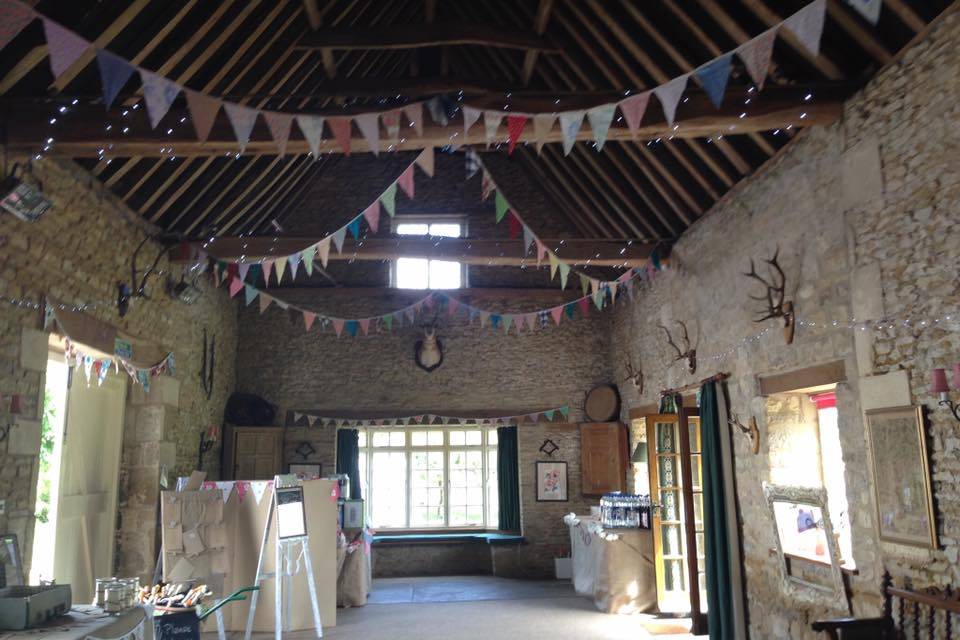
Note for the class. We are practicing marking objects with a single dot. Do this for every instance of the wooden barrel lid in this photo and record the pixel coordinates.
(603, 403)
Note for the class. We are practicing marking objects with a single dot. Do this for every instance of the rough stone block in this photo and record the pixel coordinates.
(34, 350)
(24, 438)
(887, 390)
(862, 174)
(154, 423)
(164, 390)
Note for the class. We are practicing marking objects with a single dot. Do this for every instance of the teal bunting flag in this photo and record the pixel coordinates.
(565, 411)
(254, 272)
(354, 227)
(494, 320)
(570, 308)
(249, 294)
(352, 327)
(549, 415)
(655, 259)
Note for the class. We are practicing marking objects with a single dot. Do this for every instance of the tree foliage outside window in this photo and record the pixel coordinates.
(47, 443)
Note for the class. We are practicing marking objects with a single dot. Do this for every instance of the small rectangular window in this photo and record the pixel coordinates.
(422, 273)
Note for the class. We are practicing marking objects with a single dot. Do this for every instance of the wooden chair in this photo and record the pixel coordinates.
(907, 614)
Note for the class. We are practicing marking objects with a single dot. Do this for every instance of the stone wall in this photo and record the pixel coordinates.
(77, 252)
(865, 213)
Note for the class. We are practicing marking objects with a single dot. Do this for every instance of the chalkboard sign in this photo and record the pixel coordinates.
(177, 626)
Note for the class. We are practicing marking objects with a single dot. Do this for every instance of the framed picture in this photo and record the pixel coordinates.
(11, 566)
(306, 470)
(808, 552)
(552, 482)
(901, 476)
(291, 519)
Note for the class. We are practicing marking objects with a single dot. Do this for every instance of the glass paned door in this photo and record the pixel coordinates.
(669, 536)
(696, 491)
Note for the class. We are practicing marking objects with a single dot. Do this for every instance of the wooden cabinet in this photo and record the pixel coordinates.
(252, 453)
(603, 457)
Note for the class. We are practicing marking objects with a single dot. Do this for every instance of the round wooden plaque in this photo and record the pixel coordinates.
(603, 403)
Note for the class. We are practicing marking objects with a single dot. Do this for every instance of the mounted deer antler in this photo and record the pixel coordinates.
(428, 352)
(688, 353)
(774, 296)
(635, 376)
(749, 429)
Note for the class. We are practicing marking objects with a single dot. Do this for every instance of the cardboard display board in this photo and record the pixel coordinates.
(233, 565)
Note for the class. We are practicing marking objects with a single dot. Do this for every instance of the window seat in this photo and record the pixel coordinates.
(491, 538)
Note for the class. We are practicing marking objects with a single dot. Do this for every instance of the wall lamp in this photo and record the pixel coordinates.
(941, 387)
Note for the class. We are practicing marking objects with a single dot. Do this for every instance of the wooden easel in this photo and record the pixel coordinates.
(284, 548)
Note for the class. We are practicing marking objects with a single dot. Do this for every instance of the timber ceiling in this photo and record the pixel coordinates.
(269, 54)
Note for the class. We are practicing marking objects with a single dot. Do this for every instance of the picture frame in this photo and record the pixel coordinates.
(797, 570)
(552, 481)
(291, 517)
(305, 470)
(11, 565)
(902, 492)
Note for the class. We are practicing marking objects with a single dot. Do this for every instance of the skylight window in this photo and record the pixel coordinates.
(422, 273)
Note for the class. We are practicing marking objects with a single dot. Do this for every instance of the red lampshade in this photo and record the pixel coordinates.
(939, 381)
(956, 376)
(15, 408)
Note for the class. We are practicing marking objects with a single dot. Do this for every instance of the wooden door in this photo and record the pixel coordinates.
(603, 457)
(676, 484)
(89, 475)
(257, 453)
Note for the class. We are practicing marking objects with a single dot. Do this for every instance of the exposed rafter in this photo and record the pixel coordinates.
(424, 35)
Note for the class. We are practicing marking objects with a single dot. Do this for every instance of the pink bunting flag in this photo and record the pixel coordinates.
(391, 122)
(341, 132)
(633, 109)
(532, 321)
(242, 118)
(235, 286)
(308, 319)
(584, 304)
(452, 305)
(425, 161)
(756, 54)
(515, 125)
(369, 125)
(337, 325)
(203, 112)
(807, 25)
(557, 313)
(14, 16)
(364, 325)
(414, 113)
(279, 125)
(267, 269)
(372, 215)
(405, 181)
(669, 96)
(64, 46)
(159, 93)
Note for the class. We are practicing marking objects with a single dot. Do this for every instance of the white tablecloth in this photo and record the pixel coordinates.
(85, 622)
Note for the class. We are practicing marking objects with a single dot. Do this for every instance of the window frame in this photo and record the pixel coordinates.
(429, 219)
(367, 451)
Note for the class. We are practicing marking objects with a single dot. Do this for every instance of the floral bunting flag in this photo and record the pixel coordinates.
(340, 127)
(807, 25)
(528, 239)
(425, 161)
(470, 117)
(633, 109)
(405, 181)
(372, 215)
(491, 122)
(338, 237)
(64, 46)
(158, 93)
(14, 17)
(713, 77)
(515, 125)
(280, 125)
(389, 199)
(307, 256)
(369, 125)
(242, 118)
(114, 73)
(203, 111)
(312, 129)
(391, 122)
(600, 118)
(414, 113)
(570, 122)
(669, 96)
(756, 55)
(294, 262)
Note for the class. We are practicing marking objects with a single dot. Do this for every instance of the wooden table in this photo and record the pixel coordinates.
(85, 622)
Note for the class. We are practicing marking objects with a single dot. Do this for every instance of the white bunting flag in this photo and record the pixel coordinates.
(669, 96)
(807, 25)
(869, 9)
(570, 122)
(542, 124)
(369, 125)
(242, 118)
(312, 128)
(491, 122)
(323, 250)
(470, 117)
(414, 113)
(338, 237)
(258, 487)
(600, 118)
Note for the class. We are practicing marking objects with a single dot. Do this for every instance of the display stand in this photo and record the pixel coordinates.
(288, 517)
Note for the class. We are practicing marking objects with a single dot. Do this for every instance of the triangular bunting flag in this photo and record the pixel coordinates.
(452, 305)
(869, 9)
(308, 319)
(14, 16)
(541, 252)
(352, 328)
(756, 55)
(63, 46)
(486, 186)
(114, 73)
(600, 118)
(564, 272)
(565, 411)
(278, 267)
(405, 181)
(372, 215)
(369, 125)
(584, 304)
(249, 293)
(365, 325)
(258, 487)
(242, 269)
(203, 111)
(294, 260)
(584, 283)
(633, 109)
(515, 225)
(265, 301)
(340, 127)
(242, 118)
(501, 204)
(338, 237)
(414, 113)
(470, 116)
(267, 270)
(713, 77)
(554, 263)
(669, 96)
(549, 415)
(471, 162)
(388, 322)
(570, 122)
(279, 125)
(491, 122)
(159, 93)
(507, 321)
(235, 286)
(307, 256)
(312, 128)
(337, 325)
(389, 199)
(542, 124)
(425, 161)
(515, 125)
(354, 227)
(323, 250)
(528, 239)
(807, 25)
(311, 420)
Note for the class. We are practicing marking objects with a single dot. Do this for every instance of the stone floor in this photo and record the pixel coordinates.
(486, 608)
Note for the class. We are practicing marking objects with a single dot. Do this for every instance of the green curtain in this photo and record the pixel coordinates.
(719, 597)
(508, 478)
(348, 458)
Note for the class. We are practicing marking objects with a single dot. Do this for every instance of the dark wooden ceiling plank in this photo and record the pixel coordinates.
(531, 166)
(207, 183)
(294, 184)
(141, 181)
(710, 161)
(166, 184)
(588, 208)
(860, 34)
(424, 35)
(691, 169)
(634, 151)
(222, 192)
(181, 189)
(539, 26)
(124, 169)
(906, 14)
(582, 20)
(613, 156)
(245, 195)
(314, 16)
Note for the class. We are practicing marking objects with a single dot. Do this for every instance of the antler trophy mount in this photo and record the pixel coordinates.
(774, 296)
(688, 353)
(634, 375)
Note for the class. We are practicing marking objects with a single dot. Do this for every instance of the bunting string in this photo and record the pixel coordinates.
(429, 419)
(66, 47)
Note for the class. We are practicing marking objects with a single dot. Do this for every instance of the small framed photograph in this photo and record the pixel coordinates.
(305, 470)
(291, 519)
(552, 482)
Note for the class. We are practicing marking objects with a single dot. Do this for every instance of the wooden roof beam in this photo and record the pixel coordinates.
(861, 35)
(531, 164)
(629, 175)
(539, 26)
(575, 195)
(424, 35)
